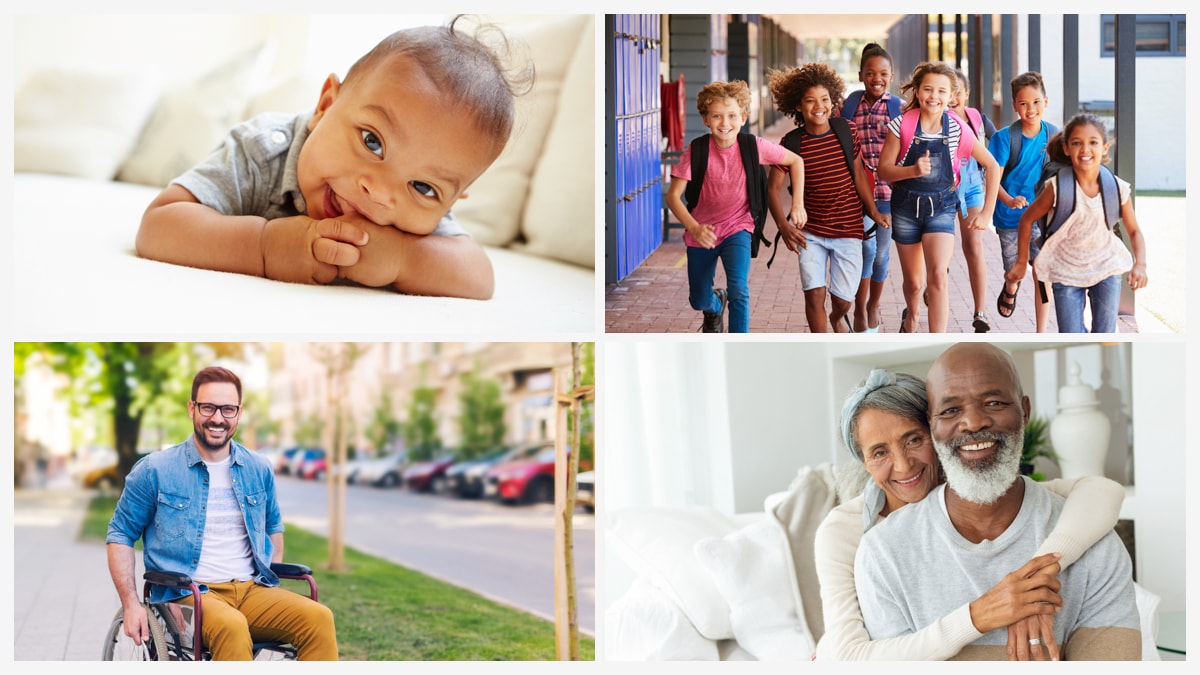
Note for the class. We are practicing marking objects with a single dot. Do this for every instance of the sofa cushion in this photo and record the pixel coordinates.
(496, 201)
(810, 498)
(658, 543)
(193, 119)
(752, 569)
(80, 122)
(645, 625)
(559, 220)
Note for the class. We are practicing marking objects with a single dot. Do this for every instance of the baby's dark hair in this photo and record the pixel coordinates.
(737, 90)
(473, 69)
(1056, 147)
(927, 68)
(1028, 79)
(788, 87)
(872, 50)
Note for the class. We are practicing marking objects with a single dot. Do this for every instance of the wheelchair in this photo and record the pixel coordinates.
(175, 630)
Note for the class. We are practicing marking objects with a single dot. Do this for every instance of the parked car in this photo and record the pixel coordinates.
(585, 491)
(428, 476)
(311, 460)
(289, 460)
(384, 471)
(465, 478)
(525, 480)
(352, 467)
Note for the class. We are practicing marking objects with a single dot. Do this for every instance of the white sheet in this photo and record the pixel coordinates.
(76, 275)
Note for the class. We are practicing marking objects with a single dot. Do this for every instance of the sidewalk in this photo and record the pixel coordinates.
(63, 597)
(654, 297)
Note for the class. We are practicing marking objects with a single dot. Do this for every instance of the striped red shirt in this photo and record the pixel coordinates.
(830, 200)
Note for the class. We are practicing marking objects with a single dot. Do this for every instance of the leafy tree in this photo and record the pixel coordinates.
(482, 420)
(310, 429)
(420, 433)
(384, 427)
(126, 380)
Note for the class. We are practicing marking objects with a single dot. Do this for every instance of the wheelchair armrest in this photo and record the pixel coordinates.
(170, 579)
(290, 569)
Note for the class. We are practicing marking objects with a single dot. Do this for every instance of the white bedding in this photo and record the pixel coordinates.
(76, 274)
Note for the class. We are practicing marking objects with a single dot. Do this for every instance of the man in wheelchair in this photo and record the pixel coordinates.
(206, 509)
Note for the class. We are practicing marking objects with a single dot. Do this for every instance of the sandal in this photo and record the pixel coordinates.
(904, 320)
(1007, 302)
(981, 323)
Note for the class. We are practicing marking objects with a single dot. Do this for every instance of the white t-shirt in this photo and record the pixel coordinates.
(225, 552)
(1084, 251)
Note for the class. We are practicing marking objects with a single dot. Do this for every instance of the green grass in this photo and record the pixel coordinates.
(1160, 193)
(385, 612)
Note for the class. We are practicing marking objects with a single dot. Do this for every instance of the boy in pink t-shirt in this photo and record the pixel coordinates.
(721, 224)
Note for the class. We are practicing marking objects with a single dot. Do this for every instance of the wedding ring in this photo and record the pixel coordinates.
(1034, 642)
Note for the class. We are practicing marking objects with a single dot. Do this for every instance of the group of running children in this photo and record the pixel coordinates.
(867, 169)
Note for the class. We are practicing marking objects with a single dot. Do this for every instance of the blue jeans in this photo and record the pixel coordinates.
(877, 251)
(734, 254)
(1104, 298)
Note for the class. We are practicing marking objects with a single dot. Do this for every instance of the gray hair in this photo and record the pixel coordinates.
(897, 393)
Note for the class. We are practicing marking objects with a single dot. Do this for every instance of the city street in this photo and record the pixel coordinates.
(505, 553)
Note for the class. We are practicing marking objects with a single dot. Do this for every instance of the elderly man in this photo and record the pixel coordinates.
(929, 558)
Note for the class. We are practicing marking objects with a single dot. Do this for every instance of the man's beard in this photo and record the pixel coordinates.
(986, 480)
(202, 439)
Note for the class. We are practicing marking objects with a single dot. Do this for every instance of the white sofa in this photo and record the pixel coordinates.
(95, 142)
(708, 586)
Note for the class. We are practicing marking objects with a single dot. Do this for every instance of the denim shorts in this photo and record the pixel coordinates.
(969, 197)
(1008, 245)
(843, 259)
(920, 213)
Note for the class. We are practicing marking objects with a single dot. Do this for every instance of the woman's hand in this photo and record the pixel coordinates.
(1032, 638)
(1031, 590)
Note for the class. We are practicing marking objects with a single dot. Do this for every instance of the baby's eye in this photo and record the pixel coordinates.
(372, 142)
(424, 188)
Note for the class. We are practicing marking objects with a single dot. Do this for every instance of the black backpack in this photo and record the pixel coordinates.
(841, 129)
(756, 183)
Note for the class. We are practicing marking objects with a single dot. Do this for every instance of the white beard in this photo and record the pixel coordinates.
(985, 481)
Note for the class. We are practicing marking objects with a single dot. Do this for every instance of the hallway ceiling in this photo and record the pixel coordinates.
(836, 25)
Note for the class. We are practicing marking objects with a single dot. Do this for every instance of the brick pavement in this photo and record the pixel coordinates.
(654, 297)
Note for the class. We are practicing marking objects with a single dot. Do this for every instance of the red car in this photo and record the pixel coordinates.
(525, 480)
(428, 476)
(313, 466)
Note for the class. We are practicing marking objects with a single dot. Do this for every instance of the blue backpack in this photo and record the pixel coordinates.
(852, 101)
(1064, 205)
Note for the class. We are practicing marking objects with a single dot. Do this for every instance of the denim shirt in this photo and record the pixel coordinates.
(165, 501)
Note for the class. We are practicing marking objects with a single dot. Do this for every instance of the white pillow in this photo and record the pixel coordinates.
(560, 212)
(658, 543)
(193, 119)
(810, 498)
(79, 122)
(644, 625)
(752, 569)
(295, 93)
(493, 211)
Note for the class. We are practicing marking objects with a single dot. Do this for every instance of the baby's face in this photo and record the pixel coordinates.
(389, 147)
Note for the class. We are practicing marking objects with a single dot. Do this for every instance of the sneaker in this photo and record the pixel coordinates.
(981, 323)
(714, 322)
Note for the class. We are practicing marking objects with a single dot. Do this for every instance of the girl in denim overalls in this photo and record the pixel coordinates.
(924, 202)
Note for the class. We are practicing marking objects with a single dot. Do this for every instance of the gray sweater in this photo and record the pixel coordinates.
(914, 568)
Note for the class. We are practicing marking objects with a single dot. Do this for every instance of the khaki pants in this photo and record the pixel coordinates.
(239, 613)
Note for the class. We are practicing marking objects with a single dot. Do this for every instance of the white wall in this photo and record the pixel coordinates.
(1161, 98)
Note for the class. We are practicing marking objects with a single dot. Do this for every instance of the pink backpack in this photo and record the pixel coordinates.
(966, 139)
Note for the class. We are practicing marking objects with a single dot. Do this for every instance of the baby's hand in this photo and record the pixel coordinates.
(377, 263)
(302, 250)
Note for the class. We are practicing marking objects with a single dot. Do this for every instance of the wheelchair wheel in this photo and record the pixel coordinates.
(120, 647)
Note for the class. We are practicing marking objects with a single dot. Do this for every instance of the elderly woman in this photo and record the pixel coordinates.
(885, 426)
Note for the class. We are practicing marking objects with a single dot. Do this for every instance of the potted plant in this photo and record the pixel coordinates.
(1037, 444)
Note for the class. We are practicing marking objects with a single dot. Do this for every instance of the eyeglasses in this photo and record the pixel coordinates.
(209, 409)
